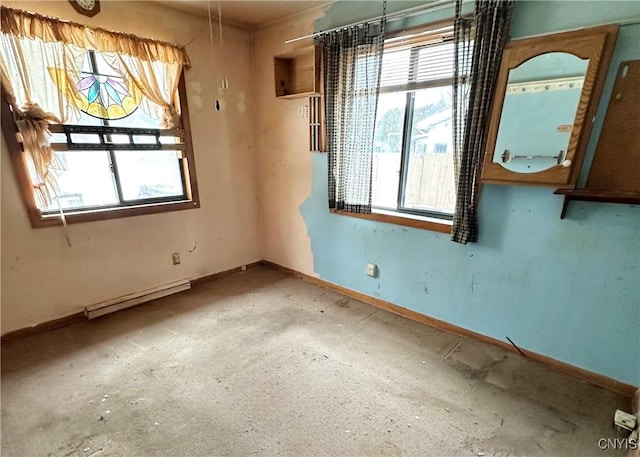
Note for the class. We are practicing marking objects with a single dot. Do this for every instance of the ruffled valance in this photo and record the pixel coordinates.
(23, 24)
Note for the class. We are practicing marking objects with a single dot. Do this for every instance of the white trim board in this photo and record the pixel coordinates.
(136, 298)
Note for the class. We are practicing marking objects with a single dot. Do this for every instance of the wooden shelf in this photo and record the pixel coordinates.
(632, 198)
(299, 95)
(297, 73)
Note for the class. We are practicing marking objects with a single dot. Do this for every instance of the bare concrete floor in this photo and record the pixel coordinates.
(265, 364)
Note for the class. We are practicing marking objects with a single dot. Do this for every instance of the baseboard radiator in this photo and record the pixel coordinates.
(127, 301)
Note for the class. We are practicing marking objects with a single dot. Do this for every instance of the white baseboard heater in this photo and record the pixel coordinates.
(127, 301)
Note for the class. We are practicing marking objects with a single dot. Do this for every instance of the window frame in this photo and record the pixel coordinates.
(407, 220)
(409, 109)
(39, 219)
(405, 152)
(412, 219)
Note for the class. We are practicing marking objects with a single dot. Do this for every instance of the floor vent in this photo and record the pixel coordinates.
(127, 301)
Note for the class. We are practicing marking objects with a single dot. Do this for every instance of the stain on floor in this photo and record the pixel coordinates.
(249, 365)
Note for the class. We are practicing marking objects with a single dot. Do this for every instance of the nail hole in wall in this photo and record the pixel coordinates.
(217, 105)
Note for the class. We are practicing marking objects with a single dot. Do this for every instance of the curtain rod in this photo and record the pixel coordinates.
(396, 15)
(632, 21)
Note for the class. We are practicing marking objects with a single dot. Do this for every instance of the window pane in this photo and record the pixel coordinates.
(103, 67)
(86, 180)
(387, 149)
(117, 139)
(86, 61)
(395, 67)
(149, 174)
(430, 177)
(435, 62)
(429, 62)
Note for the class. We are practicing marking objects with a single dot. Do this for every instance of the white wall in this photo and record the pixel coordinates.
(44, 279)
(283, 142)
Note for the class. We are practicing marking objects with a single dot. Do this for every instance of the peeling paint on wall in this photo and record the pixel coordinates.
(568, 288)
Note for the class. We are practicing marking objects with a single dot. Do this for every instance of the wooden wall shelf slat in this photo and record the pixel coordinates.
(299, 95)
(600, 195)
(630, 198)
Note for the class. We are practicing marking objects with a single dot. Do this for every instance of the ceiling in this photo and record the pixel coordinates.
(247, 13)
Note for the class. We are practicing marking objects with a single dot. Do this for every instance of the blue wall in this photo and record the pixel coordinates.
(569, 289)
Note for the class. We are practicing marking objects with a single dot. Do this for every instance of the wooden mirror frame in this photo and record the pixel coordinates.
(595, 44)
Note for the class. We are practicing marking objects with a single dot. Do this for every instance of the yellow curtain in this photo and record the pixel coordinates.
(30, 25)
(40, 60)
(158, 82)
(40, 159)
(32, 74)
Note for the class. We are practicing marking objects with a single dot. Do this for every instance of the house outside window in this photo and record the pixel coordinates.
(413, 167)
(440, 148)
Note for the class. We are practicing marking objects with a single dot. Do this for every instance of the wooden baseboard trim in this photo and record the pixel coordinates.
(80, 317)
(627, 390)
(594, 378)
(44, 327)
(224, 274)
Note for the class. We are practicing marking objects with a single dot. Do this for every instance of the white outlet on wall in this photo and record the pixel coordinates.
(175, 257)
(372, 270)
(303, 111)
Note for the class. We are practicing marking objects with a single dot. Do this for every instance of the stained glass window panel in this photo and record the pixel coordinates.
(103, 92)
(106, 97)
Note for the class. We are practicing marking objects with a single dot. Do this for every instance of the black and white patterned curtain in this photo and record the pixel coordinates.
(352, 63)
(477, 63)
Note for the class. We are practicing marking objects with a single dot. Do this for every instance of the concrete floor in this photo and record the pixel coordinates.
(265, 364)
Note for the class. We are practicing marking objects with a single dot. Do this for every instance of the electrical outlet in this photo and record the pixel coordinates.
(176, 258)
(303, 111)
(372, 270)
(624, 420)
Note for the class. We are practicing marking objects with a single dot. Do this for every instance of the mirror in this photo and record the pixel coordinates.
(546, 90)
(542, 94)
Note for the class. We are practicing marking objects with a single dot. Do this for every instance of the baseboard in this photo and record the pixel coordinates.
(80, 316)
(135, 299)
(44, 327)
(594, 378)
(625, 389)
(225, 273)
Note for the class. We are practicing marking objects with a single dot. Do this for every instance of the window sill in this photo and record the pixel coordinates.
(408, 220)
(77, 217)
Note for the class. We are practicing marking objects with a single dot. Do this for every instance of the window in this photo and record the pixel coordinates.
(105, 176)
(440, 148)
(413, 167)
(115, 155)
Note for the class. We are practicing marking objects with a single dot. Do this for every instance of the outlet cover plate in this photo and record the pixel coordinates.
(175, 257)
(372, 270)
